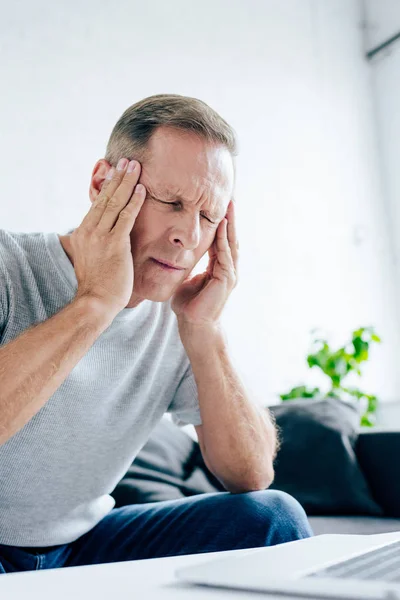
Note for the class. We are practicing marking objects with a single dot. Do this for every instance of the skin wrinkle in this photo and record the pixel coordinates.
(208, 171)
(212, 189)
(170, 197)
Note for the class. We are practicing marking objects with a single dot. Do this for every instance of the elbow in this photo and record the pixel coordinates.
(268, 478)
(250, 482)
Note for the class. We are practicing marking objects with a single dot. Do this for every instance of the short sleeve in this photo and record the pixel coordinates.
(184, 407)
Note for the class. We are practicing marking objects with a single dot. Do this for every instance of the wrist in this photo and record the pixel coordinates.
(200, 339)
(94, 310)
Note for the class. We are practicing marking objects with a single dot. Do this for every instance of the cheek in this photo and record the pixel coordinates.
(148, 229)
(205, 245)
(146, 221)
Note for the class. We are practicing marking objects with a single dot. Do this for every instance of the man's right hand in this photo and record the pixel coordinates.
(101, 245)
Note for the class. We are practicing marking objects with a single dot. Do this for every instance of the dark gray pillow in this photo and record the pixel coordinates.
(168, 467)
(317, 463)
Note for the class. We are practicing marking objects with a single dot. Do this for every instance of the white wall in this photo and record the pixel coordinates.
(290, 76)
(382, 22)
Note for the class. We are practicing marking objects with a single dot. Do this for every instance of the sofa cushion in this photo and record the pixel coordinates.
(168, 467)
(317, 463)
(354, 525)
(375, 451)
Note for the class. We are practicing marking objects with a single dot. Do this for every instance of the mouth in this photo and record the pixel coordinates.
(165, 266)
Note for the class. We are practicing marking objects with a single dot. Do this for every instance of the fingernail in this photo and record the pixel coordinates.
(139, 189)
(131, 166)
(110, 173)
(122, 164)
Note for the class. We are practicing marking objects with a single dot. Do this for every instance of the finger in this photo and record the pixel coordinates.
(212, 257)
(97, 207)
(127, 216)
(232, 234)
(113, 179)
(126, 180)
(224, 254)
(110, 185)
(195, 284)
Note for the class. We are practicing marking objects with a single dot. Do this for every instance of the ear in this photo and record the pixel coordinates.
(99, 173)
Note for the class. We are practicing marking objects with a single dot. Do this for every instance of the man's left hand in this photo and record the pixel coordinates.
(199, 301)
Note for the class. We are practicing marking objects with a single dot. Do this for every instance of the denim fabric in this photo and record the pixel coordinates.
(203, 523)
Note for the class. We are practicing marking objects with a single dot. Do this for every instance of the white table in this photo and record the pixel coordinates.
(137, 580)
(155, 579)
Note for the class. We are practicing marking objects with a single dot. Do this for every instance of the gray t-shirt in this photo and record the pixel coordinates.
(57, 472)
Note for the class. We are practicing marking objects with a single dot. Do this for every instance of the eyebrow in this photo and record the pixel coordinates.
(177, 198)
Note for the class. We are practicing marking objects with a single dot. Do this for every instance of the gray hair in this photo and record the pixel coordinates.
(133, 130)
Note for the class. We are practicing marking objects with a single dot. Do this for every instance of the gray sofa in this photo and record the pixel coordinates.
(170, 466)
(378, 454)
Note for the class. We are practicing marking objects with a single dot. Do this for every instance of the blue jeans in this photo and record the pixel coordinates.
(203, 523)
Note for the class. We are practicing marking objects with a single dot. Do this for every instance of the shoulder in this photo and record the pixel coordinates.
(17, 249)
(14, 243)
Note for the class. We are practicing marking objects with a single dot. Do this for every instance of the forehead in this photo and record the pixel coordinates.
(180, 163)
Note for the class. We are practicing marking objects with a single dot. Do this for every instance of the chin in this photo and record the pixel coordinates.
(147, 286)
(157, 295)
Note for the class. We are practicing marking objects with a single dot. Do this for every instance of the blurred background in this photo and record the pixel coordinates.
(317, 115)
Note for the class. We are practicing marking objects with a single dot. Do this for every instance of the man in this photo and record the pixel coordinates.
(100, 338)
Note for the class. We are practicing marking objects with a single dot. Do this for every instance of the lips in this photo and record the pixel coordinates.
(167, 264)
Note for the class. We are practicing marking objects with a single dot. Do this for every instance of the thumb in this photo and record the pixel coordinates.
(196, 282)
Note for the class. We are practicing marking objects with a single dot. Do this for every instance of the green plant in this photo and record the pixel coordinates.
(337, 364)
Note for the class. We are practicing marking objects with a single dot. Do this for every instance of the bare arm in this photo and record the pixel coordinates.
(237, 438)
(35, 364)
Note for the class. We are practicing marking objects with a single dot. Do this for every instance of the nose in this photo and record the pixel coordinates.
(186, 232)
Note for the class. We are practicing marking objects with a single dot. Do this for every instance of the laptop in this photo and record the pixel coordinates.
(359, 567)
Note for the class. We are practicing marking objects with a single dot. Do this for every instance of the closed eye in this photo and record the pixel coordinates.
(178, 203)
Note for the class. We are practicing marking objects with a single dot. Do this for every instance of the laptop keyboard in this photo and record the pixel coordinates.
(382, 564)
